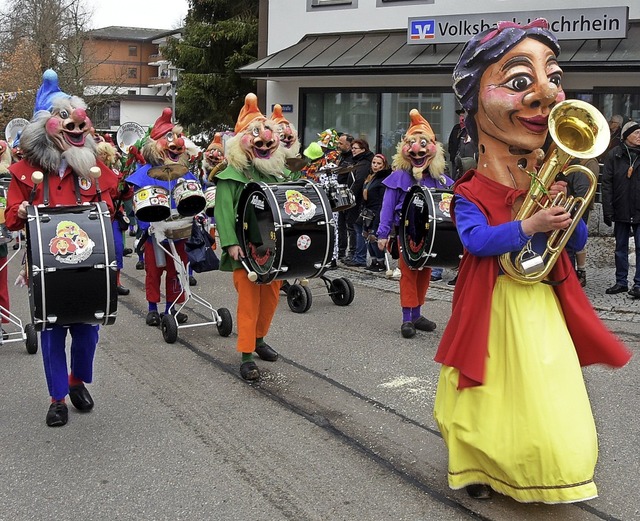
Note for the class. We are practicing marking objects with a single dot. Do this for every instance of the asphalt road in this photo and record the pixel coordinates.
(340, 428)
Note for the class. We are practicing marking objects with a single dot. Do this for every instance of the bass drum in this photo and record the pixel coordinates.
(427, 234)
(285, 230)
(72, 265)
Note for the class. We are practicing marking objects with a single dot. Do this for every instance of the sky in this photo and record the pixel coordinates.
(152, 14)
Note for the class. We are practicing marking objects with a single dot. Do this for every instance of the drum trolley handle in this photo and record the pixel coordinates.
(277, 226)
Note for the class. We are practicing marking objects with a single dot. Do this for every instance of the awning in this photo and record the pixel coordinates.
(387, 52)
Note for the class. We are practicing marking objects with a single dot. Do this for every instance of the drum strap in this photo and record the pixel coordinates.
(76, 184)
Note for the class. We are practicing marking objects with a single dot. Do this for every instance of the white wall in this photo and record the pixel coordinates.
(143, 113)
(289, 20)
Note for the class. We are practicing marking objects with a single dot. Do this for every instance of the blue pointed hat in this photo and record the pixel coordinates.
(48, 91)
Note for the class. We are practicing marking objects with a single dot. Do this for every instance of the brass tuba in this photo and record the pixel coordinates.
(580, 131)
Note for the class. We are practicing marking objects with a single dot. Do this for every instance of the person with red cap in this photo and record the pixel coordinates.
(419, 159)
(253, 154)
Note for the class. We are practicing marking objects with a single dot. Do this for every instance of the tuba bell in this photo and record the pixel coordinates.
(580, 131)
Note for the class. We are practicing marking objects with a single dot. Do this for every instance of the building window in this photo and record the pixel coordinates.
(396, 3)
(106, 116)
(331, 4)
(133, 50)
(132, 72)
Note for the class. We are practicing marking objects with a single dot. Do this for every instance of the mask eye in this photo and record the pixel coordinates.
(519, 83)
(423, 143)
(556, 79)
(255, 132)
(169, 136)
(64, 114)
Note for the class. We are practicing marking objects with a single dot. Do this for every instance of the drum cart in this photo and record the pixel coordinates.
(26, 333)
(221, 317)
(300, 296)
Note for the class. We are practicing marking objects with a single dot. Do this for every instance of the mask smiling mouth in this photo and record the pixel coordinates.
(262, 153)
(418, 161)
(173, 156)
(75, 139)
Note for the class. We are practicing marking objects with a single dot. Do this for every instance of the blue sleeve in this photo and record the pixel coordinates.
(481, 239)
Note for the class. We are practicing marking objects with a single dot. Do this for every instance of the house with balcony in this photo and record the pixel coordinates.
(128, 79)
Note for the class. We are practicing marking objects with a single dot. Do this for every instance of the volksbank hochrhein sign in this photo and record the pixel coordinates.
(575, 24)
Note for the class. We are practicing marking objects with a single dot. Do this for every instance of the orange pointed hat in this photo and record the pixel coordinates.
(248, 113)
(419, 125)
(217, 142)
(277, 115)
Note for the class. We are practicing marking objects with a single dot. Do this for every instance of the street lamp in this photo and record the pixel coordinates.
(174, 72)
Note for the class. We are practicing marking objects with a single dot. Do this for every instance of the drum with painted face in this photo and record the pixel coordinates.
(152, 203)
(427, 234)
(210, 198)
(285, 230)
(188, 197)
(72, 265)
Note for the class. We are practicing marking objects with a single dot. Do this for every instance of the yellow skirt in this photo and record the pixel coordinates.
(528, 432)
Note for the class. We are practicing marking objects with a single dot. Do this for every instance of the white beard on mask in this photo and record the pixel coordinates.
(81, 159)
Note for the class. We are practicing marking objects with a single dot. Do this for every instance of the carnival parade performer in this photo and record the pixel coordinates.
(58, 143)
(511, 401)
(419, 160)
(165, 146)
(214, 160)
(253, 154)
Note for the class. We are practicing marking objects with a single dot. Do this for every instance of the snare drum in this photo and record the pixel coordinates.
(72, 265)
(178, 227)
(152, 203)
(340, 197)
(210, 198)
(188, 197)
(286, 230)
(427, 234)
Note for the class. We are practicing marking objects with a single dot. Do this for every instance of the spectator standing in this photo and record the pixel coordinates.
(372, 196)
(362, 157)
(345, 236)
(463, 152)
(615, 127)
(621, 204)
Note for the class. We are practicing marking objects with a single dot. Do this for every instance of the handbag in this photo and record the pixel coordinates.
(366, 217)
(199, 249)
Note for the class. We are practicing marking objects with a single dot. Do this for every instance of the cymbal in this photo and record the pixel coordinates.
(295, 164)
(167, 172)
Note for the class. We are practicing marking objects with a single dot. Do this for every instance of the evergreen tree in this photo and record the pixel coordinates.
(219, 37)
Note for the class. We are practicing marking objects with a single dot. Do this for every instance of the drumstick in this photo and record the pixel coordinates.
(387, 263)
(94, 173)
(251, 275)
(36, 178)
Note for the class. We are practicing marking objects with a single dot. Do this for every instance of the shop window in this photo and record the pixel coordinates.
(132, 73)
(337, 4)
(133, 50)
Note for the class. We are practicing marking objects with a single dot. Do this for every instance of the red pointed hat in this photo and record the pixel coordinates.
(249, 112)
(277, 115)
(419, 125)
(162, 125)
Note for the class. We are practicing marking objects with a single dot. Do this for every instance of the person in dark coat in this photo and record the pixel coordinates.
(621, 204)
(372, 196)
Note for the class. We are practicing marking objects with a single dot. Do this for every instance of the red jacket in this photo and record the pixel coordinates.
(464, 341)
(61, 190)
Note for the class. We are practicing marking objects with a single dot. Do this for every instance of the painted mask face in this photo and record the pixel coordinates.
(419, 149)
(3, 147)
(516, 95)
(68, 127)
(214, 156)
(287, 135)
(260, 141)
(171, 146)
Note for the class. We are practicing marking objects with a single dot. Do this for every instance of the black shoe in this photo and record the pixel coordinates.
(424, 324)
(80, 398)
(127, 251)
(122, 290)
(266, 352)
(249, 371)
(453, 281)
(192, 281)
(634, 292)
(408, 330)
(582, 277)
(181, 318)
(140, 265)
(479, 491)
(153, 318)
(333, 265)
(132, 233)
(616, 288)
(57, 415)
(5, 335)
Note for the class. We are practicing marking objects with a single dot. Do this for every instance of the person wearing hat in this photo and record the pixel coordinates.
(214, 160)
(419, 159)
(253, 154)
(621, 204)
(57, 142)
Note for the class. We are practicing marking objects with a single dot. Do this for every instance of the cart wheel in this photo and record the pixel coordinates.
(309, 298)
(169, 328)
(226, 322)
(32, 339)
(297, 298)
(342, 291)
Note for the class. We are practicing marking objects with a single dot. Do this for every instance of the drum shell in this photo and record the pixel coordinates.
(301, 244)
(210, 199)
(179, 227)
(81, 290)
(188, 197)
(428, 236)
(152, 203)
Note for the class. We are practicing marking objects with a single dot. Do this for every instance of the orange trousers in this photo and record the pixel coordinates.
(413, 285)
(257, 305)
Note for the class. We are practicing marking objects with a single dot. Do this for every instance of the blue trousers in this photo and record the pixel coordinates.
(118, 241)
(84, 339)
(622, 232)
